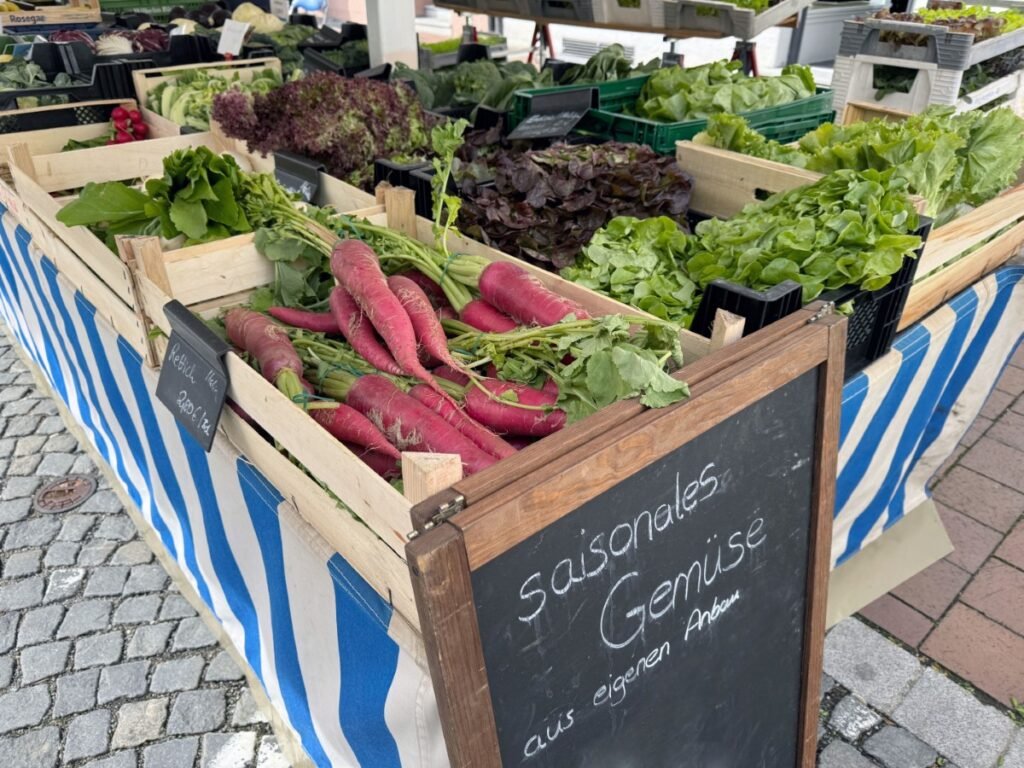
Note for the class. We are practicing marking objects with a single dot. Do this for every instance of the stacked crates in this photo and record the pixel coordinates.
(938, 66)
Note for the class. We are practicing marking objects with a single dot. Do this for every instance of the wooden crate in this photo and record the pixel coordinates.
(148, 79)
(52, 140)
(955, 256)
(73, 12)
(862, 111)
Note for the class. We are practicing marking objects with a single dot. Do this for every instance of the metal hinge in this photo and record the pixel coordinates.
(450, 508)
(828, 308)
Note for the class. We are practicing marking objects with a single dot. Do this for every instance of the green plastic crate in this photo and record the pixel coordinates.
(609, 120)
(160, 10)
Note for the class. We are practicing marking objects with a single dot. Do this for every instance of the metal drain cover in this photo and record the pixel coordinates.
(64, 493)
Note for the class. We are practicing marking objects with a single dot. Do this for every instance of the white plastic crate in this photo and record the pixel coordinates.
(638, 14)
(853, 81)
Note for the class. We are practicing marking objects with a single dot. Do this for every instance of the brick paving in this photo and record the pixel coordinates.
(966, 612)
(102, 662)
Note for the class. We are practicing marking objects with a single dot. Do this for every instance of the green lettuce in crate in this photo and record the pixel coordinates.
(849, 228)
(675, 94)
(951, 160)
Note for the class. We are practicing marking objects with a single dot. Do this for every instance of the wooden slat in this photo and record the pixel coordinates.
(535, 500)
(935, 290)
(212, 270)
(136, 159)
(451, 635)
(726, 181)
(342, 196)
(83, 243)
(859, 111)
(951, 240)
(726, 329)
(830, 391)
(382, 567)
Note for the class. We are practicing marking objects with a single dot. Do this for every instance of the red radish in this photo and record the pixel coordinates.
(478, 433)
(357, 330)
(409, 425)
(425, 324)
(486, 318)
(385, 466)
(517, 293)
(319, 322)
(506, 418)
(135, 116)
(451, 374)
(429, 287)
(270, 345)
(447, 313)
(140, 130)
(349, 425)
(123, 138)
(121, 125)
(356, 266)
(119, 113)
(551, 387)
(110, 142)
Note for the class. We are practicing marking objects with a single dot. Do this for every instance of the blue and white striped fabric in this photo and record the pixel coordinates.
(905, 414)
(313, 631)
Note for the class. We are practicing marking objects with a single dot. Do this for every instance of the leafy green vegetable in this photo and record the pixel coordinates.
(610, 358)
(847, 229)
(610, 63)
(452, 44)
(675, 94)
(473, 82)
(545, 205)
(188, 98)
(198, 197)
(950, 159)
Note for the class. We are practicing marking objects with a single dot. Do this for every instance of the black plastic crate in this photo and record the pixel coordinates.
(72, 114)
(395, 174)
(872, 324)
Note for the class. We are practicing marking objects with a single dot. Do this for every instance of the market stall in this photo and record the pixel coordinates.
(360, 621)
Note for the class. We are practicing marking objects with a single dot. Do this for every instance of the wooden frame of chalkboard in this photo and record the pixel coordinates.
(499, 673)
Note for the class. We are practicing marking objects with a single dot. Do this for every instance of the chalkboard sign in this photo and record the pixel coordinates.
(554, 115)
(689, 576)
(298, 174)
(193, 381)
(652, 595)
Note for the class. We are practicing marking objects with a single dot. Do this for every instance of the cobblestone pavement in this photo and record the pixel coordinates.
(967, 610)
(102, 662)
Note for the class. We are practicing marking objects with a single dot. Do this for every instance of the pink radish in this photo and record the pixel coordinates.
(270, 345)
(507, 418)
(349, 425)
(432, 290)
(357, 330)
(484, 317)
(425, 324)
(356, 267)
(449, 373)
(478, 433)
(318, 322)
(447, 313)
(517, 293)
(409, 425)
(384, 465)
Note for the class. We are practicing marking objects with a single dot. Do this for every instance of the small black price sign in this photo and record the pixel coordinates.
(554, 115)
(193, 382)
(298, 174)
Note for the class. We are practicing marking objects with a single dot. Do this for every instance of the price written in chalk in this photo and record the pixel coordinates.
(193, 380)
(190, 407)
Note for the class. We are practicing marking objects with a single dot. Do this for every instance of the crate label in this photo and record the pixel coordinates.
(232, 37)
(547, 126)
(193, 383)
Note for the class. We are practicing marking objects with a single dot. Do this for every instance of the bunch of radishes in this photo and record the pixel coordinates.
(128, 126)
(392, 325)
